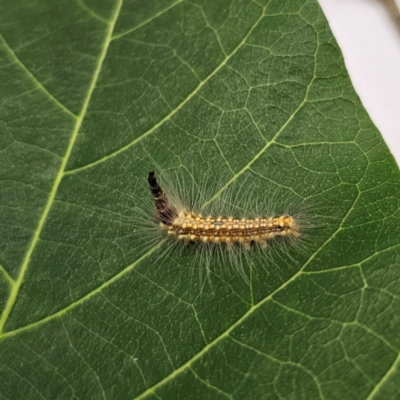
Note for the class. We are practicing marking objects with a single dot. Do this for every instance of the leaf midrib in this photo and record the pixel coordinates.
(35, 238)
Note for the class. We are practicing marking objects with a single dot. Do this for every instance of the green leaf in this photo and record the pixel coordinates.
(252, 91)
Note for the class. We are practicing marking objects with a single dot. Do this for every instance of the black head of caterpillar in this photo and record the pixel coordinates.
(191, 227)
(166, 212)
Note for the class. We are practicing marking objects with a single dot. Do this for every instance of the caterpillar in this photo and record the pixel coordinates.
(219, 225)
(191, 227)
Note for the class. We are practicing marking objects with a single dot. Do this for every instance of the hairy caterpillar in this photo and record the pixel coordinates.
(233, 228)
(188, 226)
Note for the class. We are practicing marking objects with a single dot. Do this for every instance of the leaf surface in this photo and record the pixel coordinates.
(91, 93)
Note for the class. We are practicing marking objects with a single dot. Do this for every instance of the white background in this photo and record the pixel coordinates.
(369, 37)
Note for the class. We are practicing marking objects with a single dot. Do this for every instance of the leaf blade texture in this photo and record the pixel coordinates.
(251, 91)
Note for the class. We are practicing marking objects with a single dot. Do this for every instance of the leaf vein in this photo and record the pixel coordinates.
(35, 239)
(173, 112)
(33, 78)
(82, 4)
(391, 371)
